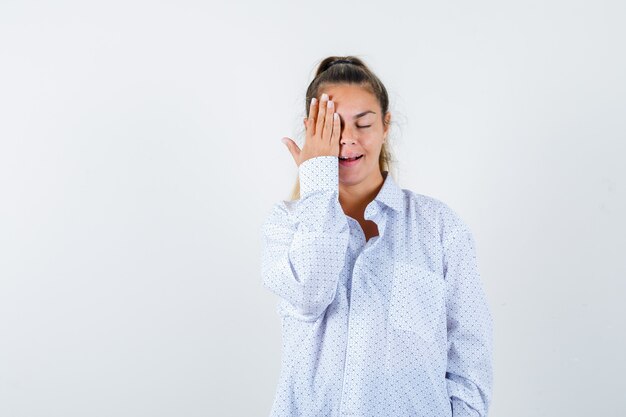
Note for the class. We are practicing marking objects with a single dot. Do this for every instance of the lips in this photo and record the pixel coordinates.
(346, 162)
(350, 158)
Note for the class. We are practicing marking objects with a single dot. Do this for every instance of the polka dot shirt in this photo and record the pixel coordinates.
(397, 325)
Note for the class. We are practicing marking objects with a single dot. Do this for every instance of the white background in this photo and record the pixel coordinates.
(140, 152)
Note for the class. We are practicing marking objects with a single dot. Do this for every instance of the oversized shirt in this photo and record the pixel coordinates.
(395, 326)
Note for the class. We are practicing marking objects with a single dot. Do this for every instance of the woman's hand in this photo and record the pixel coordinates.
(323, 129)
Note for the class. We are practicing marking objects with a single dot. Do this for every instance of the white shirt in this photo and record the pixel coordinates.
(397, 326)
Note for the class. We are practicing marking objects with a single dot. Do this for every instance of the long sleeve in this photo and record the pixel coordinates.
(469, 375)
(304, 243)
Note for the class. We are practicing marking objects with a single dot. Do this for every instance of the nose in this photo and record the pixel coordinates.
(347, 137)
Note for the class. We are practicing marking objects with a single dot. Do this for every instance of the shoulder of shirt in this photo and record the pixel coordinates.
(434, 209)
(424, 203)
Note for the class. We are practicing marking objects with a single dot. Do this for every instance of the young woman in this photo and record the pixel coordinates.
(381, 302)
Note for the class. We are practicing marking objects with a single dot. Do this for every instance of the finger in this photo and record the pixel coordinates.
(309, 122)
(293, 149)
(334, 140)
(328, 121)
(321, 111)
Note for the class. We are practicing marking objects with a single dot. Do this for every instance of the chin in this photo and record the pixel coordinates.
(351, 178)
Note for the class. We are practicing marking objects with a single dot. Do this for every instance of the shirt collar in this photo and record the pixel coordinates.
(390, 193)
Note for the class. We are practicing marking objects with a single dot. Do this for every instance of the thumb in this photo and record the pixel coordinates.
(293, 148)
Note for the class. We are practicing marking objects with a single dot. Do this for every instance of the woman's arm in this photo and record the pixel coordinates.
(469, 373)
(304, 243)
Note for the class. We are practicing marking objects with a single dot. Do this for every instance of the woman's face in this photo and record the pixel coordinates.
(362, 132)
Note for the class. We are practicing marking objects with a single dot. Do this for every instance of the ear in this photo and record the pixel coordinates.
(386, 124)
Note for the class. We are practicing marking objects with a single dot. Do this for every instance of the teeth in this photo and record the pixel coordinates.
(345, 157)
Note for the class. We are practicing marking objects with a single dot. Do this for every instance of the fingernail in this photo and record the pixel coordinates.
(313, 101)
(324, 96)
(284, 140)
(330, 103)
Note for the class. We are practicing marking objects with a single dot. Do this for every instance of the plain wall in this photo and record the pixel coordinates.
(140, 152)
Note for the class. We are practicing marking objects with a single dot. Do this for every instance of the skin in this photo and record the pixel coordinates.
(333, 129)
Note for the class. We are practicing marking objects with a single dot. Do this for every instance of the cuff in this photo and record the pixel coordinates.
(320, 173)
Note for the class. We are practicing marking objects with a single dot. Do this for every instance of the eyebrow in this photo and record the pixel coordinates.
(363, 114)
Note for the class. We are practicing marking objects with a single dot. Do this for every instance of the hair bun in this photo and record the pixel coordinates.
(334, 60)
(341, 61)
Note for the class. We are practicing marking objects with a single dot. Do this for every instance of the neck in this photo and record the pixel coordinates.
(355, 198)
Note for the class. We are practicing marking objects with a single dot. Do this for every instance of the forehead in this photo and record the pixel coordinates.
(351, 97)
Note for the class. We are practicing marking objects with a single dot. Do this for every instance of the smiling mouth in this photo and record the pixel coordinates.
(350, 159)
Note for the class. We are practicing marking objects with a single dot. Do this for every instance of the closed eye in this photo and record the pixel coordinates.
(363, 127)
